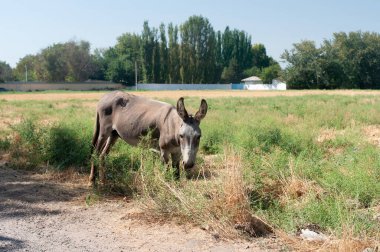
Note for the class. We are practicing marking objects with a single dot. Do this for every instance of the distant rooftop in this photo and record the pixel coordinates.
(252, 78)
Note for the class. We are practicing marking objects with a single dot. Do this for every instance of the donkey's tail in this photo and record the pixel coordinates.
(96, 134)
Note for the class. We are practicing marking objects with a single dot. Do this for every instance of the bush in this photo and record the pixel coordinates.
(67, 145)
(61, 145)
(5, 144)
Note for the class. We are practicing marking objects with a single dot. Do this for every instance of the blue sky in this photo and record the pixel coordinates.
(27, 26)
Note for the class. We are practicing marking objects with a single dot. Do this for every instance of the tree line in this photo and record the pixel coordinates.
(192, 52)
(348, 60)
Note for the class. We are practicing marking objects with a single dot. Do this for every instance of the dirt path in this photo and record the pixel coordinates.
(42, 213)
(178, 93)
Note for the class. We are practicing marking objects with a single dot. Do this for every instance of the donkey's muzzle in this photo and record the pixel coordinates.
(188, 165)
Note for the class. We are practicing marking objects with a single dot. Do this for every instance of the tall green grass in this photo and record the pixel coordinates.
(276, 133)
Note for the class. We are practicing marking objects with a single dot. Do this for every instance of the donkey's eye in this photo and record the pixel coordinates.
(181, 136)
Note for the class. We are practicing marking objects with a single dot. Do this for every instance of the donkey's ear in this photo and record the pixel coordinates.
(181, 110)
(202, 111)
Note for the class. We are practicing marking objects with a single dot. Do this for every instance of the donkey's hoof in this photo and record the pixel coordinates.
(102, 184)
(91, 184)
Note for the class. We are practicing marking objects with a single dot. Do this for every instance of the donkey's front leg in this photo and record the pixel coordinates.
(176, 158)
(164, 156)
(91, 180)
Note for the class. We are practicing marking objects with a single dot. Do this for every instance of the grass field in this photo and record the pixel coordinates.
(293, 159)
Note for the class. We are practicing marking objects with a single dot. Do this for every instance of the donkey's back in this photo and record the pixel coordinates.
(131, 116)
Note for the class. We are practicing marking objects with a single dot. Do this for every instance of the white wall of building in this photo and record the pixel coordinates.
(280, 86)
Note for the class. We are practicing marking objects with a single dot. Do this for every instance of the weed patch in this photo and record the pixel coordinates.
(220, 204)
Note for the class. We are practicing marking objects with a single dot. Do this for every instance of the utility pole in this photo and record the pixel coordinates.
(26, 73)
(136, 74)
(26, 77)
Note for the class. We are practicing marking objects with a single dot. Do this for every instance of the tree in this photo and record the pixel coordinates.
(99, 64)
(231, 73)
(197, 50)
(119, 68)
(235, 46)
(332, 68)
(227, 46)
(260, 58)
(305, 69)
(270, 73)
(54, 67)
(164, 56)
(5, 72)
(218, 58)
(156, 58)
(346, 61)
(358, 55)
(149, 53)
(78, 61)
(174, 54)
(70, 61)
(128, 49)
(29, 63)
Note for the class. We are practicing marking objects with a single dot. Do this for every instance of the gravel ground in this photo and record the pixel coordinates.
(47, 212)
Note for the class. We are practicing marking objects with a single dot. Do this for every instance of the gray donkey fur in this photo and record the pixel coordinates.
(173, 131)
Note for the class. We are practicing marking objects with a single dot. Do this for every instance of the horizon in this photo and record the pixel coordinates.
(30, 27)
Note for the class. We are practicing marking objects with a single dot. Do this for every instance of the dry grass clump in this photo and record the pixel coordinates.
(372, 132)
(291, 119)
(232, 198)
(296, 189)
(291, 189)
(219, 204)
(326, 135)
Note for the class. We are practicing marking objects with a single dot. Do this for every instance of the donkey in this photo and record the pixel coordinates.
(172, 130)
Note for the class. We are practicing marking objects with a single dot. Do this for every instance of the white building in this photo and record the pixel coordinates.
(255, 83)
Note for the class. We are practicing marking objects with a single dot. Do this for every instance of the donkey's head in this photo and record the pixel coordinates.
(189, 133)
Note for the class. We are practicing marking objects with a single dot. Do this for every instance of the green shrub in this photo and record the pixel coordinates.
(61, 145)
(5, 144)
(67, 145)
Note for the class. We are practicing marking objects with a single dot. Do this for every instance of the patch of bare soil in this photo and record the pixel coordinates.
(326, 135)
(178, 93)
(372, 133)
(48, 212)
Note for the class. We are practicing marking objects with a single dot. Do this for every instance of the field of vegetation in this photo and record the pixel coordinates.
(291, 162)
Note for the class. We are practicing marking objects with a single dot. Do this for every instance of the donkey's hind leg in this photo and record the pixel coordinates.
(105, 150)
(95, 139)
(99, 142)
(91, 180)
